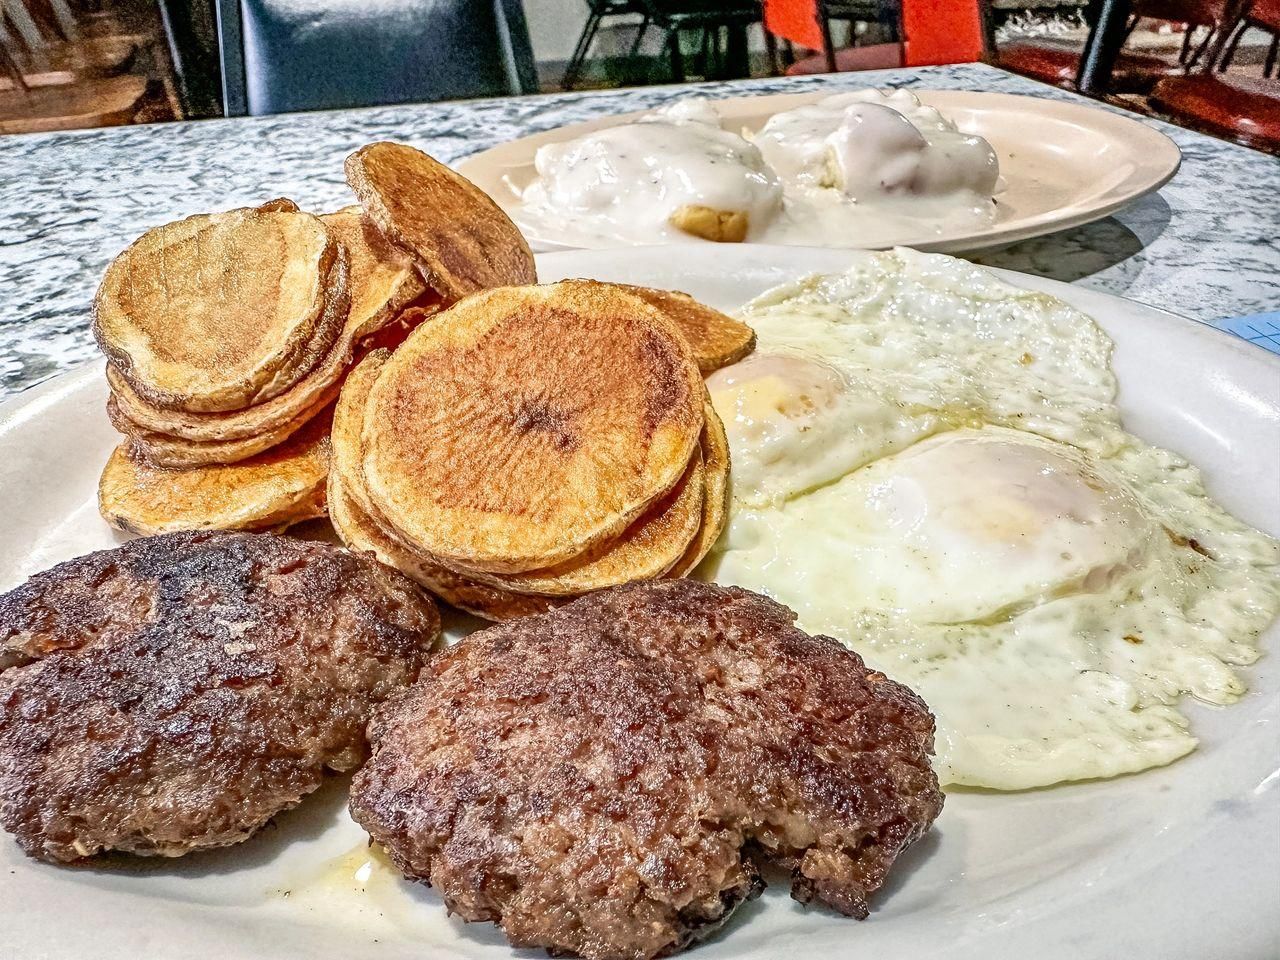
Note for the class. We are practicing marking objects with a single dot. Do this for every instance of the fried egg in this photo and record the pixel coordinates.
(929, 466)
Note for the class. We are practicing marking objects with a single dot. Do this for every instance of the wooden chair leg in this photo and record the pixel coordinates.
(633, 56)
(771, 50)
(23, 23)
(1201, 47)
(1229, 51)
(579, 57)
(676, 57)
(640, 32)
(8, 65)
(828, 48)
(64, 18)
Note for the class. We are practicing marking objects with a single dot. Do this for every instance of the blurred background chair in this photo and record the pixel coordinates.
(903, 33)
(1263, 15)
(1242, 108)
(722, 51)
(858, 16)
(598, 12)
(1058, 62)
(285, 55)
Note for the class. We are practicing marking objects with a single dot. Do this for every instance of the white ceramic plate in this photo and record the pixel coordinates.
(1176, 864)
(1064, 164)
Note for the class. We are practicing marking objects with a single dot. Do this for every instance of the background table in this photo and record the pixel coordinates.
(1206, 246)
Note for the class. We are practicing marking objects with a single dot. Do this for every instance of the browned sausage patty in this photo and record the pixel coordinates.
(176, 693)
(605, 778)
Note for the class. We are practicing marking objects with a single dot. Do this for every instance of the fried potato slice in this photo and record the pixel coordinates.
(716, 338)
(349, 510)
(348, 425)
(279, 204)
(220, 311)
(271, 491)
(383, 278)
(461, 240)
(526, 425)
(163, 450)
(644, 551)
(715, 499)
(359, 532)
(382, 283)
(720, 226)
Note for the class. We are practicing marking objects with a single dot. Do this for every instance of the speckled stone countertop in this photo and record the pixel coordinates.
(1207, 245)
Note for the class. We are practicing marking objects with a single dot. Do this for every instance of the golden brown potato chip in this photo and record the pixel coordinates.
(526, 425)
(383, 279)
(716, 338)
(271, 491)
(460, 238)
(163, 450)
(355, 528)
(715, 458)
(279, 204)
(360, 530)
(381, 284)
(348, 423)
(220, 311)
(644, 551)
(721, 226)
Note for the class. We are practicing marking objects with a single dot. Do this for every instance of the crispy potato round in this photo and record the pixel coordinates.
(359, 529)
(164, 450)
(383, 278)
(269, 421)
(644, 551)
(382, 284)
(716, 338)
(220, 311)
(271, 491)
(529, 424)
(348, 424)
(361, 532)
(460, 238)
(715, 498)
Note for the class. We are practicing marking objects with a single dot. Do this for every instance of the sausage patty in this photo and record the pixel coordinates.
(177, 692)
(605, 779)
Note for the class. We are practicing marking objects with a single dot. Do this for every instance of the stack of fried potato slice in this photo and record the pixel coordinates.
(533, 444)
(228, 336)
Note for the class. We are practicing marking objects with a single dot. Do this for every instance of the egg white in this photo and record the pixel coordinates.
(929, 466)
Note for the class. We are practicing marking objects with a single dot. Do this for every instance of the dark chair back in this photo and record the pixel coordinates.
(326, 54)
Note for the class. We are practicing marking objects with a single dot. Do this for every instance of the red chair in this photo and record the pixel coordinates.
(932, 31)
(1058, 63)
(1243, 109)
(1261, 15)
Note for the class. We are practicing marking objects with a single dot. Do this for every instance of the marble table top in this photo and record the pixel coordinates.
(1206, 246)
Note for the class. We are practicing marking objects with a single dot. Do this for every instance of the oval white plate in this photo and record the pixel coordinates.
(1064, 164)
(1177, 863)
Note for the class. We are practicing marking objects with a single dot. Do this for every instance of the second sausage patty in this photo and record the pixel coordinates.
(604, 779)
